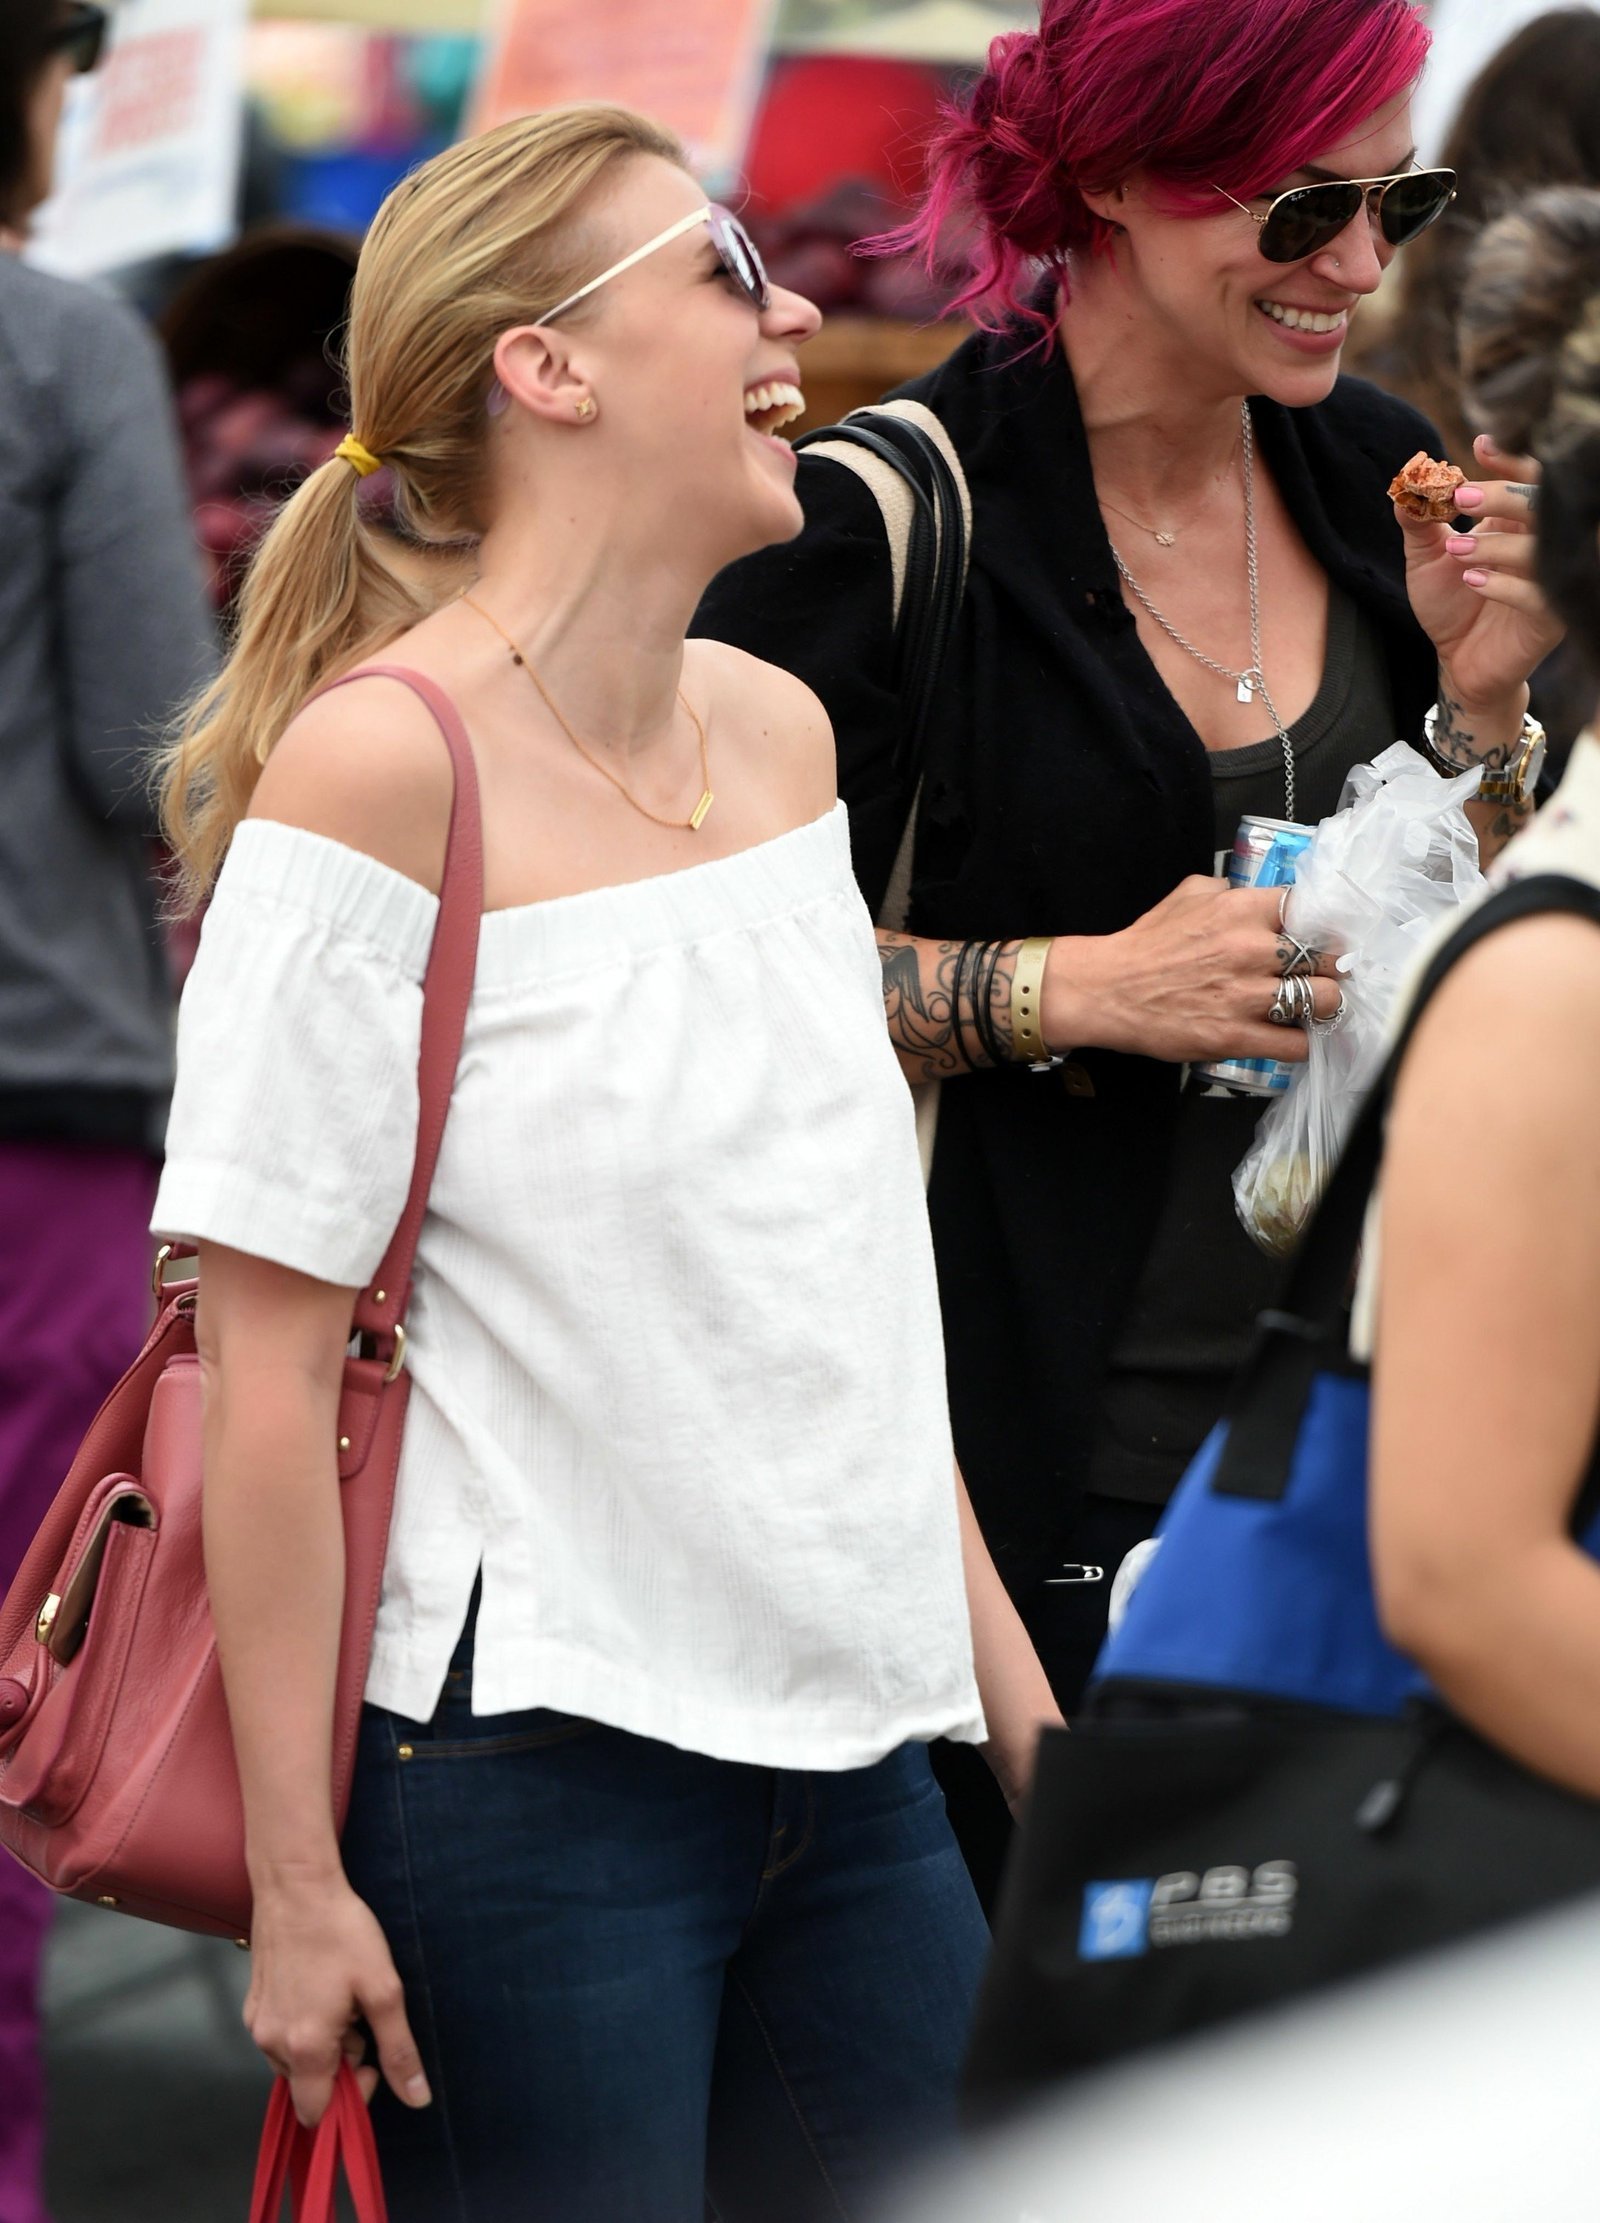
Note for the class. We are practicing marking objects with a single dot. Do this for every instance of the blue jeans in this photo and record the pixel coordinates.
(644, 1981)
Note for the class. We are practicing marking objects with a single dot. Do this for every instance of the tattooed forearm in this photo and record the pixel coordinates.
(1507, 821)
(1455, 739)
(948, 1004)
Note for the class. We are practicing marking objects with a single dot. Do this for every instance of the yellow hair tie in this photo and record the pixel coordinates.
(360, 458)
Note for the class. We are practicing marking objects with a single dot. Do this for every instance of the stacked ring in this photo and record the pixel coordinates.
(1293, 1002)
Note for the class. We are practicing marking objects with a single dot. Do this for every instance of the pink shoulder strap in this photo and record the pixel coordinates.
(446, 994)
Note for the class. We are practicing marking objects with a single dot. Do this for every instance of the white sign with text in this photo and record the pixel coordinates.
(148, 162)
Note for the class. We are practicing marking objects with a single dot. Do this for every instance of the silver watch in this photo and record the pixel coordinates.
(1515, 782)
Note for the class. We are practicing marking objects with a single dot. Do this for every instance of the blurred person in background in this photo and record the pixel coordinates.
(1486, 1360)
(103, 630)
(1531, 118)
(644, 1857)
(1183, 606)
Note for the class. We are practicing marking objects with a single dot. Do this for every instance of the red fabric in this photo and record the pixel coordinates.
(829, 117)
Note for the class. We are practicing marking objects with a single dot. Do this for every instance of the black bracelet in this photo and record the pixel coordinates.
(988, 1031)
(958, 988)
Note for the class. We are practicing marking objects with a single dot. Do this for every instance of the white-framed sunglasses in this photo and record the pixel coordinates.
(735, 248)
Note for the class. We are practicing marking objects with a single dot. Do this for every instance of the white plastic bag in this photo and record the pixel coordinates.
(1397, 853)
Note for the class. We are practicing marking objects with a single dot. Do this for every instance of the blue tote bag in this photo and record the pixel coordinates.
(1263, 1795)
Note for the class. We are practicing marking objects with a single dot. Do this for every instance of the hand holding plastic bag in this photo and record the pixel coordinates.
(1397, 854)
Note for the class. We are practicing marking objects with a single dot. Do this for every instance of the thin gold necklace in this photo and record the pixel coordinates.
(696, 818)
(1165, 536)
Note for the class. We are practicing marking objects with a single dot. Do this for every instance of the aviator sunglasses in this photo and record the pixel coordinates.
(80, 35)
(1304, 220)
(735, 248)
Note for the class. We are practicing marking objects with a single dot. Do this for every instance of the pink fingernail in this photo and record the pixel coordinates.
(1469, 497)
(1461, 545)
(1475, 578)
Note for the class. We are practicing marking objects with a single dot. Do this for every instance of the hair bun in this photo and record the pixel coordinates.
(1019, 183)
(1530, 322)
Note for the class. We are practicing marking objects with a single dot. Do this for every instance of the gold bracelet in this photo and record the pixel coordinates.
(1028, 1045)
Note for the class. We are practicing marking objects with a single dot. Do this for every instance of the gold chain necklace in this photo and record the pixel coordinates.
(696, 818)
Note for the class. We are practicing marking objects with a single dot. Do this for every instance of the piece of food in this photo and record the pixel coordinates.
(1425, 489)
(1286, 1193)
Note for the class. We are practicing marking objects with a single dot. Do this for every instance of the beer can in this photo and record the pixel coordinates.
(1266, 854)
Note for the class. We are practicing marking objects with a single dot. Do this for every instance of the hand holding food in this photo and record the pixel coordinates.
(1472, 587)
(1426, 490)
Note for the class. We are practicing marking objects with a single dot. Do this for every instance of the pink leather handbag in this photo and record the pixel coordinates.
(117, 1776)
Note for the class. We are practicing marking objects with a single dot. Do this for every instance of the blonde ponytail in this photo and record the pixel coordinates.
(472, 243)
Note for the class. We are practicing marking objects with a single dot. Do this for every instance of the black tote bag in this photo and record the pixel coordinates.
(1185, 1861)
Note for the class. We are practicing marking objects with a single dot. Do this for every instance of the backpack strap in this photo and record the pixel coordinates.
(909, 464)
(1305, 1336)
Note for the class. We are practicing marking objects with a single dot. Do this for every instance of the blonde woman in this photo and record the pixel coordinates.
(646, 1881)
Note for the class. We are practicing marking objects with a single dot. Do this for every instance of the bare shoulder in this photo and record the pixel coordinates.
(1510, 1045)
(775, 715)
(365, 765)
(1538, 976)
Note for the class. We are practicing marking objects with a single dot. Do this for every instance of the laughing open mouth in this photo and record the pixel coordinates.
(770, 407)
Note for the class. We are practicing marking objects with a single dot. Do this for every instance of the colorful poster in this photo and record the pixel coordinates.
(695, 65)
(149, 156)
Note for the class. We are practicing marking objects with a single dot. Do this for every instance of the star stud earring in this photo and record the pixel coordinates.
(585, 407)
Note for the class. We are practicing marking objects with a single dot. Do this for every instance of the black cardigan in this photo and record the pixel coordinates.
(1066, 793)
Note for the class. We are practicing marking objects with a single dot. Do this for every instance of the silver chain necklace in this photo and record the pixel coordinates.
(1252, 680)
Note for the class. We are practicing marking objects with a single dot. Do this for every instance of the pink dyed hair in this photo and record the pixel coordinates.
(1236, 93)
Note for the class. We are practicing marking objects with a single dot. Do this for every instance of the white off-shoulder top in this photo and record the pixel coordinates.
(678, 1386)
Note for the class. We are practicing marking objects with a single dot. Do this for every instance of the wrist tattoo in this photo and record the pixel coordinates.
(1508, 821)
(948, 1004)
(1455, 739)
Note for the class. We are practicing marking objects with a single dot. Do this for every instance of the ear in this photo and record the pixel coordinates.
(534, 364)
(1110, 207)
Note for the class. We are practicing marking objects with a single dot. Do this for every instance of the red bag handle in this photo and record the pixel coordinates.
(446, 993)
(308, 2162)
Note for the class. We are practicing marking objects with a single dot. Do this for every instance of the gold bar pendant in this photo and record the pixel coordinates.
(698, 817)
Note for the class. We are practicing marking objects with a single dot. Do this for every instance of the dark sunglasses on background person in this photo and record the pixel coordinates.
(1305, 219)
(80, 35)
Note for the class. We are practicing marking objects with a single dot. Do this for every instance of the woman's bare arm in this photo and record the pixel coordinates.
(272, 1350)
(1193, 979)
(1487, 1368)
(1017, 1699)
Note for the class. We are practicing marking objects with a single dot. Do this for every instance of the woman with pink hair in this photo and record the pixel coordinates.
(1189, 599)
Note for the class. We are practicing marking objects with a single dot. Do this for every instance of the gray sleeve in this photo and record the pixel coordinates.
(136, 634)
